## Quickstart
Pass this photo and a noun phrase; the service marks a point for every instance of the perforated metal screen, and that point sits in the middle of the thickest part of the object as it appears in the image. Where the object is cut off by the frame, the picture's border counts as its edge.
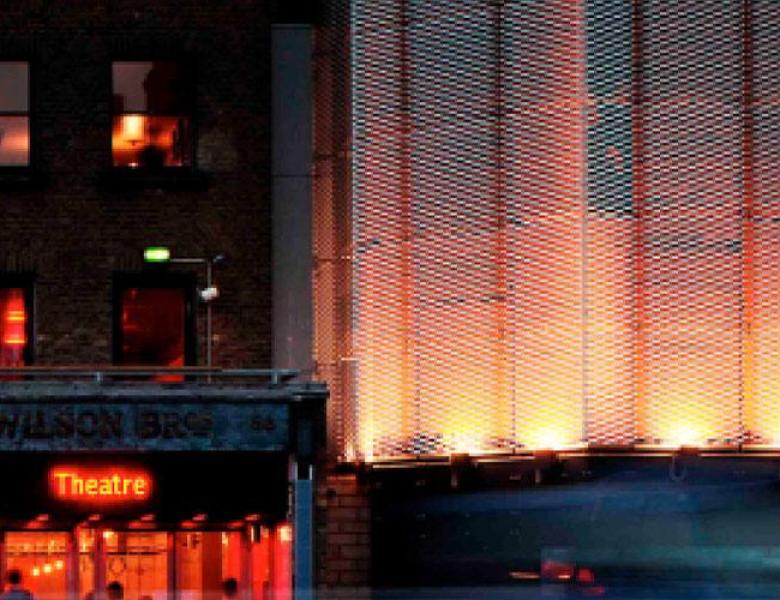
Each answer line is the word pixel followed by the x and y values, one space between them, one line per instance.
pixel 545 223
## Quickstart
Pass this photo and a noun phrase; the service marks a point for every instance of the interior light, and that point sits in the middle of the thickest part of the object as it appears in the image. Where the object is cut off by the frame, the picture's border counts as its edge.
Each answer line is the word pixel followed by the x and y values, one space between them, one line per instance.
pixel 47 568
pixel 59 565
pixel 133 128
pixel 157 254
pixel 285 533
pixel 36 571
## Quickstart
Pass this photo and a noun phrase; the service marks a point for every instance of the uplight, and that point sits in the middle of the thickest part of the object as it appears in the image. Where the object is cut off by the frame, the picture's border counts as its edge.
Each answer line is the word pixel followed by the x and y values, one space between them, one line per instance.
pixel 548 440
pixel 684 435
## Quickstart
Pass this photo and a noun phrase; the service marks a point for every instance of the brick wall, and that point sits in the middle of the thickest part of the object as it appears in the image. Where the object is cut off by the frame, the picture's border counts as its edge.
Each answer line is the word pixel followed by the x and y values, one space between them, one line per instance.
pixel 343 536
pixel 74 233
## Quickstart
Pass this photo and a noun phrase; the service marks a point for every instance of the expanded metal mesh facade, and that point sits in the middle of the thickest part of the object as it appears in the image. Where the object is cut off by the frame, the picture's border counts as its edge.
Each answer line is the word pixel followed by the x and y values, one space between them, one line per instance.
pixel 546 223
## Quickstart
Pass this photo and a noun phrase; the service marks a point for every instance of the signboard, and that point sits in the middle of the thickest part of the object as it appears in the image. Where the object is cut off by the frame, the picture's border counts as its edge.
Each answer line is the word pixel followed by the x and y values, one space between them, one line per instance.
pixel 172 486
pixel 158 426
pixel 99 486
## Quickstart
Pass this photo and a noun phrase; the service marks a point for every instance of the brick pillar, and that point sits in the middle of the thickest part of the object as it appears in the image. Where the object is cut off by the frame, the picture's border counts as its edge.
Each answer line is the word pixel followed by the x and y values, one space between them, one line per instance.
pixel 343 537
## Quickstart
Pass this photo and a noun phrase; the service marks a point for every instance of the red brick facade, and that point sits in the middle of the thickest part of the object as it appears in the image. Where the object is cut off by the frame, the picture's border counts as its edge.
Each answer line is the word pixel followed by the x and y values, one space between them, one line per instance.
pixel 343 534
pixel 73 232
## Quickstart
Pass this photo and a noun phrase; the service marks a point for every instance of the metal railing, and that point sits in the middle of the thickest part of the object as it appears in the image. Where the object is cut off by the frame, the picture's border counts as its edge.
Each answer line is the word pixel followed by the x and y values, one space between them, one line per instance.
pixel 146 374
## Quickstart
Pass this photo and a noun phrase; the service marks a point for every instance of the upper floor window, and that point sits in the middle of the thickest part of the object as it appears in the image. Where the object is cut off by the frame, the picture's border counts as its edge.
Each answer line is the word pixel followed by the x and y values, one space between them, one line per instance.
pixel 14 114
pixel 15 326
pixel 152 107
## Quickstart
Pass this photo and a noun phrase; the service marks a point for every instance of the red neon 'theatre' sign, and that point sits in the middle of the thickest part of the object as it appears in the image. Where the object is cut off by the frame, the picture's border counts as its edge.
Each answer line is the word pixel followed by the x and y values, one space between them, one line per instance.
pixel 99 484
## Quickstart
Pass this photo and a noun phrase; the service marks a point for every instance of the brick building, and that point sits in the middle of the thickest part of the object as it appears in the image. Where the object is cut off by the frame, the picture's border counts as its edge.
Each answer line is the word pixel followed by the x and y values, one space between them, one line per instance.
pixel 126 126
pixel 74 217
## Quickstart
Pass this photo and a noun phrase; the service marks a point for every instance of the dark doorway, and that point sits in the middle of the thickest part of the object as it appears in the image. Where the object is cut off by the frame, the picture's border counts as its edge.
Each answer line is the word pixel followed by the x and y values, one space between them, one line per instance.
pixel 154 321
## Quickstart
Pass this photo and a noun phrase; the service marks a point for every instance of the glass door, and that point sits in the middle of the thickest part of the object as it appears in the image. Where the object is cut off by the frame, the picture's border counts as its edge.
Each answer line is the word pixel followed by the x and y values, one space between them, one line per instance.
pixel 138 562
pixel 209 564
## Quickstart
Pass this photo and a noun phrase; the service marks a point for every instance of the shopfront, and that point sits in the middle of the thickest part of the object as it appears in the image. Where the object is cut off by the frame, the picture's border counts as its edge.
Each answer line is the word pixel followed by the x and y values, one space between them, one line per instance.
pixel 172 491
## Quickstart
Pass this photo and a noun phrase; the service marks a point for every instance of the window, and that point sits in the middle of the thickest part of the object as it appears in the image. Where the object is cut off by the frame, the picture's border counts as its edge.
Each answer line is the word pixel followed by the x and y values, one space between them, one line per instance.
pixel 15 327
pixel 152 106
pixel 153 322
pixel 14 114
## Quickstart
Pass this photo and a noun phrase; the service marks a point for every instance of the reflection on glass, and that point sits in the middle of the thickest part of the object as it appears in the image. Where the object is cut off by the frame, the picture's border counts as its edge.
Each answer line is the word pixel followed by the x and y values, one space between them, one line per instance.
pixel 14 114
pixel 40 559
pixel 14 87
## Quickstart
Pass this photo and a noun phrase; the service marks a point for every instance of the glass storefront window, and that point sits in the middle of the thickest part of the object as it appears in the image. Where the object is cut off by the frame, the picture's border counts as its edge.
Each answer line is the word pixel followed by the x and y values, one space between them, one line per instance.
pixel 40 558
pixel 151 565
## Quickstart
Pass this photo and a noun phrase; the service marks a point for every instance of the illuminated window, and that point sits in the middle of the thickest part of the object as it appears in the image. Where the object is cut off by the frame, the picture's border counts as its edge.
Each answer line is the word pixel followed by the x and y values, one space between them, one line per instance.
pixel 153 323
pixel 14 327
pixel 14 114
pixel 152 114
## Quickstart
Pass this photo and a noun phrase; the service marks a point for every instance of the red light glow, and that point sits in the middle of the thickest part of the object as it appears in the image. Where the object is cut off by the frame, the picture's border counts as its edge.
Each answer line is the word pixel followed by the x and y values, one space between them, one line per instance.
pixel 99 485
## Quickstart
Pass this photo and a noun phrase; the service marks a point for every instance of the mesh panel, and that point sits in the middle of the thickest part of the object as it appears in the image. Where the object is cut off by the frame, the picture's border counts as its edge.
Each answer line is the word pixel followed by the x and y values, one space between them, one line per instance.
pixel 560 226
pixel 763 307
pixel 691 207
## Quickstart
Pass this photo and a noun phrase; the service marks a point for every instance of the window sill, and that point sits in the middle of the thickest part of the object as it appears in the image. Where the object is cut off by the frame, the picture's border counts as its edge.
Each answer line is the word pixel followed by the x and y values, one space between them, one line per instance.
pixel 167 178
pixel 20 178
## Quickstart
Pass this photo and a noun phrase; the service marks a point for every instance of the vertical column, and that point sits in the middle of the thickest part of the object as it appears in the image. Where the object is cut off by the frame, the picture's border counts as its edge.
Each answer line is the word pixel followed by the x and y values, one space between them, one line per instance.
pixel 72 564
pixel 292 186
pixel 409 401
pixel 246 576
pixel 639 215
pixel 3 558
pixel 172 564
pixel 302 487
pixel 100 561
pixel 211 565
pixel 748 405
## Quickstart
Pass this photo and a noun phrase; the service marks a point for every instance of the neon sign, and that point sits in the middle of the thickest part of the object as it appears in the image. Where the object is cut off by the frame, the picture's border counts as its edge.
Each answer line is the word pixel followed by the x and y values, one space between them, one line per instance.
pixel 110 484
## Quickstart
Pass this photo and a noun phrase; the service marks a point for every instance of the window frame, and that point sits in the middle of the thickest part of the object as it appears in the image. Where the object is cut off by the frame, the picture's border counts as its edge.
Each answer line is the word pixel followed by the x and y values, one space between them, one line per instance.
pixel 7 172
pixel 185 62
pixel 26 282
pixel 186 282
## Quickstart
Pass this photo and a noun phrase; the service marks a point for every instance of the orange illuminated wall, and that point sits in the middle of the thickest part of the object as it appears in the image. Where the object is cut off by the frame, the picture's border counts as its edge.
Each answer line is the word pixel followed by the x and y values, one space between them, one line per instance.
pixel 548 224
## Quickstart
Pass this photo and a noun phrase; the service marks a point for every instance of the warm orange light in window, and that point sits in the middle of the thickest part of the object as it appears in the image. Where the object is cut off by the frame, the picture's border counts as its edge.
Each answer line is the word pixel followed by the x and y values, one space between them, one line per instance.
pixel 14 320
pixel 36 571
pixel 99 485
